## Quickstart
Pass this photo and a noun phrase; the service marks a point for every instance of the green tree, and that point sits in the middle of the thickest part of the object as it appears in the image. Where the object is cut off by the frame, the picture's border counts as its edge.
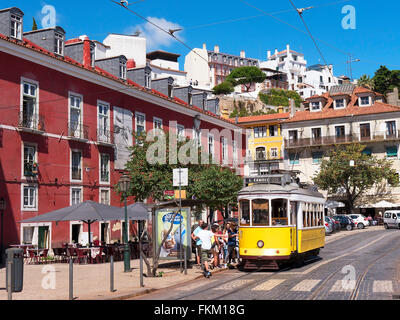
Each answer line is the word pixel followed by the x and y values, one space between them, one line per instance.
pixel 280 97
pixel 246 76
pixel 34 25
pixel 385 80
pixel 366 82
pixel 223 88
pixel 338 176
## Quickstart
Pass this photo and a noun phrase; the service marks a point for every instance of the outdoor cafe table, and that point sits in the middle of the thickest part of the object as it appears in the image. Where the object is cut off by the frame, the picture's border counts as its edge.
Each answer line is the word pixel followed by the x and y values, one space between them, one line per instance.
pixel 92 252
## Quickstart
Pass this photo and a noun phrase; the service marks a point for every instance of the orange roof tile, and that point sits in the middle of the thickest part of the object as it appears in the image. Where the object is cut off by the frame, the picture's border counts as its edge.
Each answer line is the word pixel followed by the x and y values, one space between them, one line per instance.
pixel 265 117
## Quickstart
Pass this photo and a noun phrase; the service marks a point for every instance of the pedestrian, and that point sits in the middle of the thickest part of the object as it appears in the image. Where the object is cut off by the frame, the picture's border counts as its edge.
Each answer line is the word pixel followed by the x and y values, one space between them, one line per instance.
pixel 225 239
pixel 370 220
pixel 197 241
pixel 215 246
pixel 231 243
pixel 206 238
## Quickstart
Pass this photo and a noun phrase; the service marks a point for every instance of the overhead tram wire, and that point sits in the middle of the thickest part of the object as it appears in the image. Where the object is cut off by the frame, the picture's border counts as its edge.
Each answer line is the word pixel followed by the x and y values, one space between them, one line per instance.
pixel 158 27
pixel 315 43
pixel 294 27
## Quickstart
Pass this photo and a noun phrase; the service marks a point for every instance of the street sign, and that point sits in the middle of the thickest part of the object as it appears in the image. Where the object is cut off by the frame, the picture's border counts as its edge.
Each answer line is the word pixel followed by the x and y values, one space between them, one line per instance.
pixel 169 194
pixel 183 194
pixel 180 177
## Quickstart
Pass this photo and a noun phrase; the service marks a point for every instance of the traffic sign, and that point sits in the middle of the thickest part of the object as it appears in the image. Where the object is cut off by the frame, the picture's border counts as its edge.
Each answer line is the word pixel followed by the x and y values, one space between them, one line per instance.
pixel 180 177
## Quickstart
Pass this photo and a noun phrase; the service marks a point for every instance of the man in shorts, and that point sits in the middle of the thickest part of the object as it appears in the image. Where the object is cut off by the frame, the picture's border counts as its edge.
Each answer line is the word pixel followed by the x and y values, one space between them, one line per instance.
pixel 198 242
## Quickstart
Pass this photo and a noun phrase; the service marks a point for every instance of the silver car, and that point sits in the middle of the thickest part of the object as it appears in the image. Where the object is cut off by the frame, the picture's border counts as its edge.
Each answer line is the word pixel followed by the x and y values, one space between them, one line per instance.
pixel 391 219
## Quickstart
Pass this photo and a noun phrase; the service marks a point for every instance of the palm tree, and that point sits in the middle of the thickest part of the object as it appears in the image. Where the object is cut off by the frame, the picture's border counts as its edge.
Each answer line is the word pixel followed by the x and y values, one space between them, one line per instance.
pixel 366 82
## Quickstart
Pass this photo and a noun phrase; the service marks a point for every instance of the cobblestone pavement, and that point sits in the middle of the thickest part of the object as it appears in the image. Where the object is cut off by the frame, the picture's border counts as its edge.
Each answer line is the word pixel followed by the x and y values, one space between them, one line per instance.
pixel 354 265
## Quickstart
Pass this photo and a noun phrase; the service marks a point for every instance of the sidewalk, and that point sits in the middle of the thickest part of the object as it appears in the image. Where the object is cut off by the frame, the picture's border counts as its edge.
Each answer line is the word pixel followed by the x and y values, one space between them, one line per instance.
pixel 92 281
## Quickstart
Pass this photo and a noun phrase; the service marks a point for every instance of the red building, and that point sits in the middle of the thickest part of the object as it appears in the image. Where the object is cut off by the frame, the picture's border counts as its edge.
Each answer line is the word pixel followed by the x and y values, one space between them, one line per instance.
pixel 61 126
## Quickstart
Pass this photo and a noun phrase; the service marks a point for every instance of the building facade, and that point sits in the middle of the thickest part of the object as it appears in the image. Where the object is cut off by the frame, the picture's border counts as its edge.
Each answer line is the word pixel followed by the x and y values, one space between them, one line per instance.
pixel 66 125
pixel 344 115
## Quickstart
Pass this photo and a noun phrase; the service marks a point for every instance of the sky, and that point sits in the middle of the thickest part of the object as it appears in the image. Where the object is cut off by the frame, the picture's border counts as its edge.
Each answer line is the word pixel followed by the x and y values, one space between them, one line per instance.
pixel 343 30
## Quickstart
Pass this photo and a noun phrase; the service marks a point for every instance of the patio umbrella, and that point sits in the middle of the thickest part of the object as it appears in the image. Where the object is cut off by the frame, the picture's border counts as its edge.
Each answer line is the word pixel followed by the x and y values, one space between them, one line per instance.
pixel 88 212
pixel 385 204
pixel 137 211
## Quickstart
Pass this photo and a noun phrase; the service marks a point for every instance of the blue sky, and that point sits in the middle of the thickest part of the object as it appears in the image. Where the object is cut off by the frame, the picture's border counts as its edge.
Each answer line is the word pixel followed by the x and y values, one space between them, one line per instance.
pixel 375 39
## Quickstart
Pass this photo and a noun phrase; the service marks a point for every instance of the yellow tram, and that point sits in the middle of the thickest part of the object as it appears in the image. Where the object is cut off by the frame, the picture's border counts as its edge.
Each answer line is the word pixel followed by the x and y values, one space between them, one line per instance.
pixel 279 221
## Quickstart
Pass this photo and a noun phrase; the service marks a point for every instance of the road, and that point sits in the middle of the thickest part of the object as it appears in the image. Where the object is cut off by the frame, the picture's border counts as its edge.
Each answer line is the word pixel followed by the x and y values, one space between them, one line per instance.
pixel 360 266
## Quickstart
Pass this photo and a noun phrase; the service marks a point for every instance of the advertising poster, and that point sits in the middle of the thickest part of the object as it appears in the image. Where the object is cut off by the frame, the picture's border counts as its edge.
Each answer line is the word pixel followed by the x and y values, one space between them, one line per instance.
pixel 171 247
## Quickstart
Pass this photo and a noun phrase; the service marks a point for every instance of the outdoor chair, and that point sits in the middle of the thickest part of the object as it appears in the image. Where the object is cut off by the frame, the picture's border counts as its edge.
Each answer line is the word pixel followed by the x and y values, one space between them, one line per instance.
pixel 72 254
pixel 33 257
pixel 43 256
pixel 81 255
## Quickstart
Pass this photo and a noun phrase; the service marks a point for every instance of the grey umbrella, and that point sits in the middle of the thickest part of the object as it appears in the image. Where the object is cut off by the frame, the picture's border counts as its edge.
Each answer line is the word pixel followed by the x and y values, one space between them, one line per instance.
pixel 88 212
pixel 137 211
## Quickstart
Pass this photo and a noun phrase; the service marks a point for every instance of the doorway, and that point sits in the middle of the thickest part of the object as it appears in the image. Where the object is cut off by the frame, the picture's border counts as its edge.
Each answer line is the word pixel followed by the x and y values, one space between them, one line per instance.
pixel 43 237
pixel 76 230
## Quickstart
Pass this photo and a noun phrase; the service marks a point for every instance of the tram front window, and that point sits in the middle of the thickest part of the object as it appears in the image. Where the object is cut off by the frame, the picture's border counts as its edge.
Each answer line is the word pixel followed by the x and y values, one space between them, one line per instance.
pixel 260 212
pixel 279 212
pixel 244 206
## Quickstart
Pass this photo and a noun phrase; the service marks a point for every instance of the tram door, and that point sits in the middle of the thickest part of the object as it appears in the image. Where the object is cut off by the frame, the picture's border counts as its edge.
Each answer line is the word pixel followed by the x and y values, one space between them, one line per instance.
pixel 293 222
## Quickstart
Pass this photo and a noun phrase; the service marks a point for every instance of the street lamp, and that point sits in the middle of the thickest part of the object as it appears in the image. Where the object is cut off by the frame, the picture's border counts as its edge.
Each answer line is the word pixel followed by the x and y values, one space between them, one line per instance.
pixel 2 209
pixel 197 122
pixel 350 62
pixel 125 185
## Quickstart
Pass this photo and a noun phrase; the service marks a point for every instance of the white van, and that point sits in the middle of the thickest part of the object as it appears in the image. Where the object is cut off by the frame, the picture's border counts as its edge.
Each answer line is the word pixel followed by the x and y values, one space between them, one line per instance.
pixel 391 219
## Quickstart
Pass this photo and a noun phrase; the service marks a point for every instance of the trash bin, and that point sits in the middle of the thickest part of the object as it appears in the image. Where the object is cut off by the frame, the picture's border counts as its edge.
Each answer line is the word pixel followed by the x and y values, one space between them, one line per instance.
pixel 16 256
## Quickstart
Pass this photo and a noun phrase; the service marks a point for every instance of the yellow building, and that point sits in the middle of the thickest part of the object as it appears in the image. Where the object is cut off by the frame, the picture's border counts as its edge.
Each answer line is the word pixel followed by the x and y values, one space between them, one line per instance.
pixel 264 150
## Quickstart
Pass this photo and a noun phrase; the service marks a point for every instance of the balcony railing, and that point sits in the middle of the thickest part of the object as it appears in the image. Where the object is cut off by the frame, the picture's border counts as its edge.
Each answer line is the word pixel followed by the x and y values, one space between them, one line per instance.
pixel 343 139
pixel 31 122
pixel 30 170
pixel 105 137
pixel 78 131
pixel 76 173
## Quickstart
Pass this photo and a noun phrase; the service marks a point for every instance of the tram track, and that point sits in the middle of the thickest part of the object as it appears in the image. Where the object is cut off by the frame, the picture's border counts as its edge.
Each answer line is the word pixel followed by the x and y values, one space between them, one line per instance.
pixel 355 291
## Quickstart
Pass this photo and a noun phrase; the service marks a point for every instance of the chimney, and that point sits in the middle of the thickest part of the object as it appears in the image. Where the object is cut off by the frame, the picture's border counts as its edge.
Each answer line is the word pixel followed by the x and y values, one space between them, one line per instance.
pixel 276 52
pixel 216 49
pixel 287 49
pixel 87 58
pixel 292 108
pixel 268 53
pixel 204 46
pixel 242 54
pixel 130 64
pixel 280 109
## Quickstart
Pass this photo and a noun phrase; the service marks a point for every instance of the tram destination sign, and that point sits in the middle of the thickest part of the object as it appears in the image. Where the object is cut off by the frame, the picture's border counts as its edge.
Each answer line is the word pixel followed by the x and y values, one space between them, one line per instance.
pixel 273 179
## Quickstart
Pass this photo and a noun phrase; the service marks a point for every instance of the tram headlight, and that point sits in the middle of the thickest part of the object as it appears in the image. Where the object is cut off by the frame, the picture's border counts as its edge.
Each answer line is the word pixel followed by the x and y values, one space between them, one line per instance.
pixel 260 243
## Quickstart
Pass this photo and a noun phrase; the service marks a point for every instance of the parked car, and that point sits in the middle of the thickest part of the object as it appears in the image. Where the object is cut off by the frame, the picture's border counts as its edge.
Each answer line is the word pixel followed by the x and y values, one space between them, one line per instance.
pixel 331 223
pixel 359 220
pixel 328 228
pixel 336 224
pixel 345 222
pixel 391 219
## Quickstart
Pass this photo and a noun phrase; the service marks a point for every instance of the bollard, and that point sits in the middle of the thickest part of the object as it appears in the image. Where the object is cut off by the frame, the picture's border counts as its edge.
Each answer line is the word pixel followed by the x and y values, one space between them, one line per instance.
pixel 185 257
pixel 112 273
pixel 71 279
pixel 9 279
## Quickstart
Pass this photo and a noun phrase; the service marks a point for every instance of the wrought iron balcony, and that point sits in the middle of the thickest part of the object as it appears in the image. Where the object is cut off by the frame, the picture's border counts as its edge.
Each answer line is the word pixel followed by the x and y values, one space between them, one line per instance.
pixel 78 131
pixel 32 123
pixel 105 137
pixel 343 139
pixel 30 169
pixel 265 156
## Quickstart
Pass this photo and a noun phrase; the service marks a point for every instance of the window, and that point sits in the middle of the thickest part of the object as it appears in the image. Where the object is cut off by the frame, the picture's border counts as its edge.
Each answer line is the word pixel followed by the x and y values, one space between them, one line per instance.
pixel 391 152
pixel 317 157
pixel 29 197
pixel 140 122
pixel 260 153
pixel 339 103
pixel 29 160
pixel 122 69
pixel 147 80
pixel 339 131
pixel 16 27
pixel 244 209
pixel 234 152
pixel 92 55
pixel 274 152
pixel 180 132
pixel 27 235
pixel 365 131
pixel 211 145
pixel 105 196
pixel 76 195
pixel 316 134
pixel 75 115
pixel 315 106
pixel 197 137
pixel 294 158
pixel 157 123
pixel 224 150
pixel 391 129
pixel 76 165
pixel 263 169
pixel 103 122
pixel 364 101
pixel 273 131
pixel 59 42
pixel 260 132
pixel 260 209
pixel 29 105
pixel 293 135
pixel 104 167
